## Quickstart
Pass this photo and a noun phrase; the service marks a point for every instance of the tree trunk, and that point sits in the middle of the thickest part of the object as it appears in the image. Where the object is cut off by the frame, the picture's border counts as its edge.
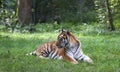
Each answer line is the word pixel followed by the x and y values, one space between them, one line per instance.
pixel 112 27
pixel 24 11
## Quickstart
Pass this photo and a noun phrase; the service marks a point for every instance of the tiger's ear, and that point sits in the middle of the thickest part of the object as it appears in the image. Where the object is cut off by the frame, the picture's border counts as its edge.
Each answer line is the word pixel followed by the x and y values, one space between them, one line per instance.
pixel 68 32
pixel 63 30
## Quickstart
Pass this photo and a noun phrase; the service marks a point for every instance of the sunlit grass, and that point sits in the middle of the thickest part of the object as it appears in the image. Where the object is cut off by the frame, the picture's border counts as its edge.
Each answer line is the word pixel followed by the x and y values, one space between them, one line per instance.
pixel 103 49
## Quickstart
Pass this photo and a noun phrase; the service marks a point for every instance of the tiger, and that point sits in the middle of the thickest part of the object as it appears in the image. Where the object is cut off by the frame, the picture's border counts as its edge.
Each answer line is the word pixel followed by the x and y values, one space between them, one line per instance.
pixel 67 47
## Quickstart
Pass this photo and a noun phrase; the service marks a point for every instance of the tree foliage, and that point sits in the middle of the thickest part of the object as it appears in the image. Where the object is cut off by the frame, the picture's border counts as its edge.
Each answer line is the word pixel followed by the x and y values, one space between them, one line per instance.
pixel 72 10
pixel 103 11
pixel 8 18
pixel 83 11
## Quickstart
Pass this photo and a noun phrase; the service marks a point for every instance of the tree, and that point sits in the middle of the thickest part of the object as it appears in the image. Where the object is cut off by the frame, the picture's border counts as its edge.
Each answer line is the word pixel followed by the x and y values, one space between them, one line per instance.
pixel 112 27
pixel 105 10
pixel 24 11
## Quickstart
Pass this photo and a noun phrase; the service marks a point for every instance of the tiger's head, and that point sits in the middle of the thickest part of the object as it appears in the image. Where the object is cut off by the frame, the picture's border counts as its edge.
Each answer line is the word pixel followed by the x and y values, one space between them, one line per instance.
pixel 63 39
pixel 66 39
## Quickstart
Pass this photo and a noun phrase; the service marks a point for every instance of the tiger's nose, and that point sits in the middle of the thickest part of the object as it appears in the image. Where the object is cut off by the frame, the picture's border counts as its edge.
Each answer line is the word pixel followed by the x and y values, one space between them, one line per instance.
pixel 62 39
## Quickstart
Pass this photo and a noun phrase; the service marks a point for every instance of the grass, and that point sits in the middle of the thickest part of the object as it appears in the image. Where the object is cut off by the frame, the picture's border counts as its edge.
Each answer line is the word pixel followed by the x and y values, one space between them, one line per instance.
pixel 103 48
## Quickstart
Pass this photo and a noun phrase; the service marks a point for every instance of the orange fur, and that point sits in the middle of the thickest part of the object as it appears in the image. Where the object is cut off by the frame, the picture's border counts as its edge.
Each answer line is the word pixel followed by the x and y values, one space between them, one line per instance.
pixel 52 45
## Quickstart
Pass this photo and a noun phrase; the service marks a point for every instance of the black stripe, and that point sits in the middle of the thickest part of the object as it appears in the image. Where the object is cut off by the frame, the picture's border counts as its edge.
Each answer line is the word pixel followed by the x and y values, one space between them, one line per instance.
pixel 66 45
pixel 83 58
pixel 54 55
pixel 77 48
pixel 49 48
pixel 34 54
pixel 48 52
pixel 51 54
pixel 45 51
pixel 79 57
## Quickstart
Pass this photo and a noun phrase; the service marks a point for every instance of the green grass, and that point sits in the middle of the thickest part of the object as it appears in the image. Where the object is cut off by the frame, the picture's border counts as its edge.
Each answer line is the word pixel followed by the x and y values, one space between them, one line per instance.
pixel 104 49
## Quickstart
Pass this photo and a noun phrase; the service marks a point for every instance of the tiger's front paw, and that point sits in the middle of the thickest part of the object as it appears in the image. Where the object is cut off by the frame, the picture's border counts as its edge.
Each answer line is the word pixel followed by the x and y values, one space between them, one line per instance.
pixel 74 62
pixel 90 61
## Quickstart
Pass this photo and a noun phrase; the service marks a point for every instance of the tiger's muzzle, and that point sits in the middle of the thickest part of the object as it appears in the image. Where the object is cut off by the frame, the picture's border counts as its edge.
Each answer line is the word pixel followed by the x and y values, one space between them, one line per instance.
pixel 63 42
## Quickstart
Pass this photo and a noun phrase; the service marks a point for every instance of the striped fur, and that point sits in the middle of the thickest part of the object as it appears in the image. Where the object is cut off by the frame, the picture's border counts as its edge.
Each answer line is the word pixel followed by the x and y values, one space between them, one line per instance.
pixel 67 47
pixel 48 50
pixel 72 47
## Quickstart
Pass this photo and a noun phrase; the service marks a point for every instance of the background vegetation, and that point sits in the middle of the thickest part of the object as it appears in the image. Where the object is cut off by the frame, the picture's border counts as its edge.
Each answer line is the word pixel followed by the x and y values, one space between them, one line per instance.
pixel 26 24
pixel 17 14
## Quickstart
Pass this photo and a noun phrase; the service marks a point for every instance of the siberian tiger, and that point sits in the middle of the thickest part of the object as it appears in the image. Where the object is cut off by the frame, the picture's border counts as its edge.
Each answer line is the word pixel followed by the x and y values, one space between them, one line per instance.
pixel 67 47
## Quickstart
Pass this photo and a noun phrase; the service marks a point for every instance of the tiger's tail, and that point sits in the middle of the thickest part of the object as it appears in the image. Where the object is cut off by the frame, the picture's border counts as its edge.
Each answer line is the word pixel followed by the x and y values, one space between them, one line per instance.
pixel 32 53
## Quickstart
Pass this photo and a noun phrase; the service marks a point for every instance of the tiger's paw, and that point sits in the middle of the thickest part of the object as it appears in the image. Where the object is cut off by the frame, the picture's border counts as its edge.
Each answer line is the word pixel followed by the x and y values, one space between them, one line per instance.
pixel 74 62
pixel 90 61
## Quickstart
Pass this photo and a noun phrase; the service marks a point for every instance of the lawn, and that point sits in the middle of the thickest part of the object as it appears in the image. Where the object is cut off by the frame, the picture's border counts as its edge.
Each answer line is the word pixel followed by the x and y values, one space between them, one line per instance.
pixel 104 49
